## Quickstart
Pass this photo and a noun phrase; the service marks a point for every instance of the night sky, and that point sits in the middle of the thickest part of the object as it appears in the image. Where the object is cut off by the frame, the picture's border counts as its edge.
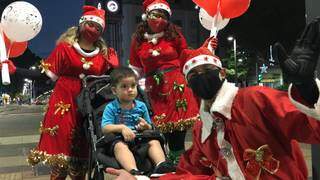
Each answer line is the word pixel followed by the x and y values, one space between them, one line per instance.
pixel 266 22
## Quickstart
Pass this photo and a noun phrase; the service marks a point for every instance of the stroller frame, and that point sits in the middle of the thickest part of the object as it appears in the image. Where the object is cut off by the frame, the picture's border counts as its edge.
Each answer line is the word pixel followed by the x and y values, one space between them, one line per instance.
pixel 96 141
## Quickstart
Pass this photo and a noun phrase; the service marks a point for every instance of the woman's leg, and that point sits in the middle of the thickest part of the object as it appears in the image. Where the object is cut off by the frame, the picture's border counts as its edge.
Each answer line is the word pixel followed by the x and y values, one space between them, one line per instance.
pixel 124 156
pixel 176 145
pixel 155 152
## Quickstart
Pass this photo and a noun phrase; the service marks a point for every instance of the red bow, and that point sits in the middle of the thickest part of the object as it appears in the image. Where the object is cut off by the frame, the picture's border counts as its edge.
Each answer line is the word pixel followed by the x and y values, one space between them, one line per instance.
pixel 260 159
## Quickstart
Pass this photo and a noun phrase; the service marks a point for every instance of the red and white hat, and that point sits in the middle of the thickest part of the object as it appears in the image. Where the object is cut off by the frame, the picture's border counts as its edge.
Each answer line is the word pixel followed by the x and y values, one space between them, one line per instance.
pixel 196 57
pixel 91 13
pixel 149 5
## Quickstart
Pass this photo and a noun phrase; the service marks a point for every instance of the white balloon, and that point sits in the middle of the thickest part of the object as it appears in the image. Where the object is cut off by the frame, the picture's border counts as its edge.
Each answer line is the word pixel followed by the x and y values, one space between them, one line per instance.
pixel 206 20
pixel 21 21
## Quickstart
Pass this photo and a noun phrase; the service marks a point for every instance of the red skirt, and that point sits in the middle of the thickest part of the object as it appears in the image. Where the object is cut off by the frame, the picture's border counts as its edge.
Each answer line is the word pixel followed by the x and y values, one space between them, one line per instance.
pixel 173 104
pixel 62 142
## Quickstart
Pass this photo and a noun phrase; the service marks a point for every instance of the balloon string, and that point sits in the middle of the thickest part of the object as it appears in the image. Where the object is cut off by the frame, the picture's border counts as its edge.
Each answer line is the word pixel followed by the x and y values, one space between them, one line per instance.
pixel 214 28
pixel 9 49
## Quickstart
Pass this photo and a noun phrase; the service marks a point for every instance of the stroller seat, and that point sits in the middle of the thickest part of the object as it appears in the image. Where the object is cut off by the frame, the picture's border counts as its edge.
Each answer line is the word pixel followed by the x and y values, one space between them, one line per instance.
pixel 140 150
pixel 96 93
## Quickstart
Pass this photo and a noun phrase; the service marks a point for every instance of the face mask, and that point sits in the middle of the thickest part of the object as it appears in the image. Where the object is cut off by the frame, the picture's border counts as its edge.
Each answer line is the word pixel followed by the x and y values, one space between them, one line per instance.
pixel 206 85
pixel 89 33
pixel 157 25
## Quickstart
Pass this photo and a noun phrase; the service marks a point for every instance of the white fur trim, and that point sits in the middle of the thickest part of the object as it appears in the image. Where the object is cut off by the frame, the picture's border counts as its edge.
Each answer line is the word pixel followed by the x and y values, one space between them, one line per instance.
pixel 200 60
pixel 224 99
pixel 85 54
pixel 51 75
pixel 144 17
pixel 92 18
pixel 207 122
pixel 313 112
pixel 222 105
pixel 159 6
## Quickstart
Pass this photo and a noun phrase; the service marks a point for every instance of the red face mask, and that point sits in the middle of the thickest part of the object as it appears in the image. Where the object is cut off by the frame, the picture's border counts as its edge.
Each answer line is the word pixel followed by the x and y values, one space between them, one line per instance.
pixel 157 25
pixel 90 33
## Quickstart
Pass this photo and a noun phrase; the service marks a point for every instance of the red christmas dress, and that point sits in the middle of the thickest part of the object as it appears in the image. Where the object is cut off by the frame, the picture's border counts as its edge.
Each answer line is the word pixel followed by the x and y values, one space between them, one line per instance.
pixel 250 134
pixel 62 142
pixel 173 103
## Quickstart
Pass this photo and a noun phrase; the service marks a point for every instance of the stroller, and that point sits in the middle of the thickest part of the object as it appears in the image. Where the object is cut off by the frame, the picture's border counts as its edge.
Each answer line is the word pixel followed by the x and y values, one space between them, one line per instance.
pixel 96 93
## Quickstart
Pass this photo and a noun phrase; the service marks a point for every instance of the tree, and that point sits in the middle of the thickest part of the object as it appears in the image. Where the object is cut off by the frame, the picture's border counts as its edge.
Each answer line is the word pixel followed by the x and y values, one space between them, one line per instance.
pixel 245 63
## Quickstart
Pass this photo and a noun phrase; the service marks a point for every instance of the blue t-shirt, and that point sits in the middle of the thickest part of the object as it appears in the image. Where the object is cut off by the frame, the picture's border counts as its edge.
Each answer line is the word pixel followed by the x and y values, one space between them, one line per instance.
pixel 113 114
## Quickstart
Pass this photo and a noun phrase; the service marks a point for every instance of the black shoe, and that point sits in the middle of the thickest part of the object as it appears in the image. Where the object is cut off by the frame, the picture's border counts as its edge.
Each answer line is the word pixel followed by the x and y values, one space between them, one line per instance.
pixel 163 168
pixel 136 172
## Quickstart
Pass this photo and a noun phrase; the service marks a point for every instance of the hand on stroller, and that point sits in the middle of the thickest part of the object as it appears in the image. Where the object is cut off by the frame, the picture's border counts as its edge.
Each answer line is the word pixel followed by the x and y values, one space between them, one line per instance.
pixel 127 134
pixel 121 174
pixel 142 125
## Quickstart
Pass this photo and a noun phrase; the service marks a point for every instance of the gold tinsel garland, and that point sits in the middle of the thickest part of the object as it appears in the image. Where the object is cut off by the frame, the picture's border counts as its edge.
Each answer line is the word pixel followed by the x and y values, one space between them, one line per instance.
pixel 73 165
pixel 44 66
pixel 181 125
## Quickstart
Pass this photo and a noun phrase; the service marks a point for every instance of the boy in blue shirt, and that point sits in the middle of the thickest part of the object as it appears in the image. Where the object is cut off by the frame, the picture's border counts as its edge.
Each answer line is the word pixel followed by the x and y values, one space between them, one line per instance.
pixel 126 115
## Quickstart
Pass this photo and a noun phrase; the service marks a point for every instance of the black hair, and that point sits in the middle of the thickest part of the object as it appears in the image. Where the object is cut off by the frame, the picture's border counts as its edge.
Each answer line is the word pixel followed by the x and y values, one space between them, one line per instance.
pixel 119 73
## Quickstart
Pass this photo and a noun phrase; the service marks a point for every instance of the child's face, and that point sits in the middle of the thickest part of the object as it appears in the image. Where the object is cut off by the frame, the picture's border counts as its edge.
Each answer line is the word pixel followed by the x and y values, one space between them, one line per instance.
pixel 126 89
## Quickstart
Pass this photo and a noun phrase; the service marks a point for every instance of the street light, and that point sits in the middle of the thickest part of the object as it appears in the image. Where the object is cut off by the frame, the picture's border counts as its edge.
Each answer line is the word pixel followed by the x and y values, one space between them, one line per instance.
pixel 230 38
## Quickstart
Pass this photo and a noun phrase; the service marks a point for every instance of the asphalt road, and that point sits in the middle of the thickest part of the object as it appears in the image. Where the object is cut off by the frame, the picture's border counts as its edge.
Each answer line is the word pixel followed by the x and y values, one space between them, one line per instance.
pixel 18 134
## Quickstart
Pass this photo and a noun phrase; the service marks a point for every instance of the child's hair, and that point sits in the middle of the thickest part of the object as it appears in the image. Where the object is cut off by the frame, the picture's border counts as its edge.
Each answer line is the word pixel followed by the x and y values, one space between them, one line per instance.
pixel 119 73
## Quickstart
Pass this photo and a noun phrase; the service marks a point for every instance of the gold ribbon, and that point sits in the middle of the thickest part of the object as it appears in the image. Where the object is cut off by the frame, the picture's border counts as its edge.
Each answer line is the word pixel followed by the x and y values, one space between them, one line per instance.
pixel 84 61
pixel 179 87
pixel 62 107
pixel 44 66
pixel 158 78
pixel 181 103
pixel 52 131
pixel 260 160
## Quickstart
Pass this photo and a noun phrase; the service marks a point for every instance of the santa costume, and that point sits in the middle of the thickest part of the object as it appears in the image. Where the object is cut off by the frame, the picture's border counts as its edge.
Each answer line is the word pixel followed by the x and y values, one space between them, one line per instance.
pixel 156 58
pixel 62 143
pixel 248 133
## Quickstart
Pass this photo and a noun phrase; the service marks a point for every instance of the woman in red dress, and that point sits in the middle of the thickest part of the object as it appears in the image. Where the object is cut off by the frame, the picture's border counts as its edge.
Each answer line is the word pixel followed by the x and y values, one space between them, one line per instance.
pixel 80 51
pixel 154 54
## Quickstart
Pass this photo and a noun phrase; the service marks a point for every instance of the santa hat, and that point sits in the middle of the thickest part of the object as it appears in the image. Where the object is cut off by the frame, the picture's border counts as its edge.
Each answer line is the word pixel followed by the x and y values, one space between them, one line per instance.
pixel 149 5
pixel 91 13
pixel 193 58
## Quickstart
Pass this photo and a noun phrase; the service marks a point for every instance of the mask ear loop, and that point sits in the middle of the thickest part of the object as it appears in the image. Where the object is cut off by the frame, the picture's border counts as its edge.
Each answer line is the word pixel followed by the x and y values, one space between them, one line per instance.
pixel 220 76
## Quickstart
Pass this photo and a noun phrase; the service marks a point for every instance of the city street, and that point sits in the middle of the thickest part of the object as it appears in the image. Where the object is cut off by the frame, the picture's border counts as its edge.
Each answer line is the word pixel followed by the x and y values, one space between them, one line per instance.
pixel 18 134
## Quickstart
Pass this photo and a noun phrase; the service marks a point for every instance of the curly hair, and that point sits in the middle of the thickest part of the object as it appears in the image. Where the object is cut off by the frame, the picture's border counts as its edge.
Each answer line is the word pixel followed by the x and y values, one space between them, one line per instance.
pixel 171 32
pixel 72 35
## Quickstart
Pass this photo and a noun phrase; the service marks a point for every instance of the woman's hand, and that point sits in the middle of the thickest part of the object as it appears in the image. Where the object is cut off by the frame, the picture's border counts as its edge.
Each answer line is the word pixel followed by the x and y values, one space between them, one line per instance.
pixel 143 125
pixel 121 174
pixel 127 133
pixel 212 41
pixel 11 66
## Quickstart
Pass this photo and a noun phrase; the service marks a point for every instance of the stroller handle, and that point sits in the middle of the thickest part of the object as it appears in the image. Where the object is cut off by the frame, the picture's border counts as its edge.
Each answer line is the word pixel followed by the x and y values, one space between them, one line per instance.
pixel 90 77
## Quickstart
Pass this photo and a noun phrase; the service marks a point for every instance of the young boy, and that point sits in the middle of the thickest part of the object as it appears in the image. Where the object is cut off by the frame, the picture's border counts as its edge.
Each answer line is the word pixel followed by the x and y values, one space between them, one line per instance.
pixel 126 115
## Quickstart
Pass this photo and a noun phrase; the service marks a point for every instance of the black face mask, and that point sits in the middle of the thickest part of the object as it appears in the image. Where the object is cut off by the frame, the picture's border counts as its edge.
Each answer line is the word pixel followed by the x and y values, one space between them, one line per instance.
pixel 207 84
